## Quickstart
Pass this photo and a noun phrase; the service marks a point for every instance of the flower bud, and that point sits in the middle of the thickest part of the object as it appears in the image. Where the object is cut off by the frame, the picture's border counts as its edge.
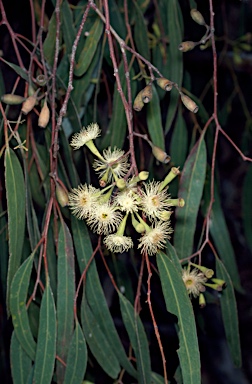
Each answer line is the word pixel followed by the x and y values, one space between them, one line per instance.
pixel 197 17
pixel 220 282
pixel 189 103
pixel 138 102
pixel 41 80
pixel 165 84
pixel 147 94
pixel 143 175
pixel 202 300
pixel 29 103
pixel 61 195
pixel 179 202
pixel 214 286
pixel 160 155
pixel 10 99
pixel 207 272
pixel 138 226
pixel 171 175
pixel 165 215
pixel 120 183
pixel 186 46
pixel 44 116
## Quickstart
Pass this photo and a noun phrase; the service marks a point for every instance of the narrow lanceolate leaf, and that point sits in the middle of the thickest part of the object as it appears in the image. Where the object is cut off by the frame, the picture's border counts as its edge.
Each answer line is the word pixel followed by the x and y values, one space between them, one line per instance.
pixel 18 296
pixel 141 33
pixel 178 303
pixel 77 358
pixel 247 207
pixel 190 189
pixel 154 120
pixel 95 294
pixel 175 29
pixel 15 191
pixel 229 313
pixel 222 241
pixel 46 346
pixel 20 71
pixel 65 296
pixel 138 340
pixel 98 343
pixel 179 141
pixel 89 48
pixel 20 362
pixel 68 29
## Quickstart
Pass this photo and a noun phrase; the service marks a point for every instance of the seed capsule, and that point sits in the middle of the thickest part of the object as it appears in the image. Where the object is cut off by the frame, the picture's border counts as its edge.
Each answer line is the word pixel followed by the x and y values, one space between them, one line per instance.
pixel 189 103
pixel 160 155
pixel 41 80
pixel 29 103
pixel 61 195
pixel 197 17
pixel 147 94
pixel 138 102
pixel 10 99
pixel 44 116
pixel 165 84
pixel 186 46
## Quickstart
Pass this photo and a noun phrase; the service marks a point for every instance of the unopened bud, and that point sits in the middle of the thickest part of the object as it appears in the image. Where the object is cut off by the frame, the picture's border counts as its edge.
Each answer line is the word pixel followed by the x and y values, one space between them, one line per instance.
pixel 207 272
pixel 214 286
pixel 165 84
pixel 220 282
pixel 44 116
pixel 147 94
pixel 171 175
pixel 10 99
pixel 197 17
pixel 189 103
pixel 138 102
pixel 165 215
pixel 41 80
pixel 120 183
pixel 143 175
pixel 160 155
pixel 202 300
pixel 61 195
pixel 29 103
pixel 179 202
pixel 138 226
pixel 186 46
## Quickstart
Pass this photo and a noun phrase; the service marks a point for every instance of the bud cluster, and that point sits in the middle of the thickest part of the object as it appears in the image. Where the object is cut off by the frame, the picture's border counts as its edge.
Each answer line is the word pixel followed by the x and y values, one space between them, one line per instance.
pixel 121 200
pixel 196 281
pixel 145 95
pixel 186 46
pixel 29 103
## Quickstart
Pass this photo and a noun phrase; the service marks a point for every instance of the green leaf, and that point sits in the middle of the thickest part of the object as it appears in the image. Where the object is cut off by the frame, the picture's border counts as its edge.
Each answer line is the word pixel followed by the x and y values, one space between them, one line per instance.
pixel 175 27
pixel 95 339
pixel 49 43
pixel 156 378
pixel 20 71
pixel 77 358
pixel 95 294
pixel 20 362
pixel 222 241
pixel 178 303
pixel 18 296
pixel 247 207
pixel 46 346
pixel 68 29
pixel 191 187
pixel 179 141
pixel 229 314
pixel 141 33
pixel 15 190
pixel 138 339
pixel 154 120
pixel 91 42
pixel 116 132
pixel 4 250
pixel 65 296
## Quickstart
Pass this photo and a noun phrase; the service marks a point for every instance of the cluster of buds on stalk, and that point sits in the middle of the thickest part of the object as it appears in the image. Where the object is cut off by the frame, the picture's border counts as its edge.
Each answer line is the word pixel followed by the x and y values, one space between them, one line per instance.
pixel 29 103
pixel 186 46
pixel 123 204
pixel 145 95
pixel 197 279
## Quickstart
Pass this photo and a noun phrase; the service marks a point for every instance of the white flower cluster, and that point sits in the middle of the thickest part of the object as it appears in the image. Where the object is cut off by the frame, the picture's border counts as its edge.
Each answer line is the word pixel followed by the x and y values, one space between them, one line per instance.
pixel 107 210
